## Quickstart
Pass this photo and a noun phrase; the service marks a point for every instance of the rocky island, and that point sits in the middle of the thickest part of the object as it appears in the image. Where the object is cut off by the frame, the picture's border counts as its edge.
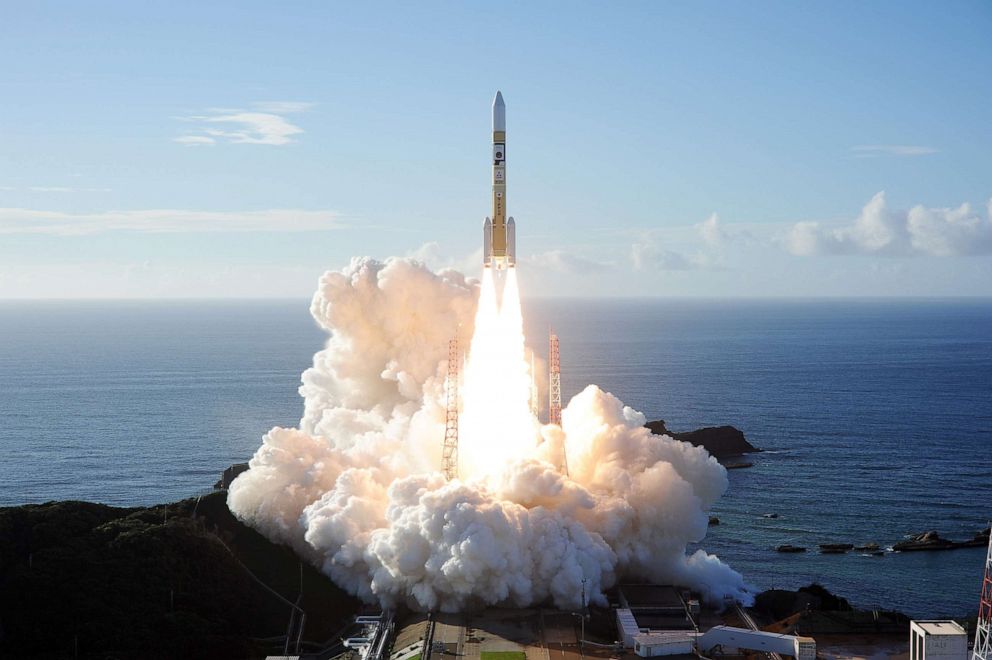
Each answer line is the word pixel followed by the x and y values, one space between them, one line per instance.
pixel 720 441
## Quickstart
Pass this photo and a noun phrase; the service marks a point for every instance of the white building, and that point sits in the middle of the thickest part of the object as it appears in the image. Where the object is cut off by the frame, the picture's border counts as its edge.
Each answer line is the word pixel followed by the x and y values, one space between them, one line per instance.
pixel 937 640
pixel 669 643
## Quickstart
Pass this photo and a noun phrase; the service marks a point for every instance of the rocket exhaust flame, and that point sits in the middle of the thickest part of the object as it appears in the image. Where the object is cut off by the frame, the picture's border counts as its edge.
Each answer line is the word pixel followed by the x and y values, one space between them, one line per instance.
pixel 356 489
pixel 496 422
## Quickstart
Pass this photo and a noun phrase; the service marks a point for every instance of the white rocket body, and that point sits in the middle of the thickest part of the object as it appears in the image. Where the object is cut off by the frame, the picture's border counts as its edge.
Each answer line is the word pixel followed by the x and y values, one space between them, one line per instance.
pixel 499 247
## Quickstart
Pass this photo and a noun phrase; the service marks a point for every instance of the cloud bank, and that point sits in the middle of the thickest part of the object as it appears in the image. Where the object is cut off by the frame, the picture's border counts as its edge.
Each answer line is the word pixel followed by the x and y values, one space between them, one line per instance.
pixel 878 230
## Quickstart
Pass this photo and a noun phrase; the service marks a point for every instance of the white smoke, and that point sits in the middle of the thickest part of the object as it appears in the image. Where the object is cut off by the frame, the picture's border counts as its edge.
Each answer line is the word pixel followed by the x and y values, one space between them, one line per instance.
pixel 357 488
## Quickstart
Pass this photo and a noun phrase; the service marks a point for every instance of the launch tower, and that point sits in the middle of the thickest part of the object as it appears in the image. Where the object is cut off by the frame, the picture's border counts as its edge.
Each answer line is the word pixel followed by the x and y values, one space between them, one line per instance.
pixel 554 382
pixel 449 453
pixel 983 631
pixel 554 396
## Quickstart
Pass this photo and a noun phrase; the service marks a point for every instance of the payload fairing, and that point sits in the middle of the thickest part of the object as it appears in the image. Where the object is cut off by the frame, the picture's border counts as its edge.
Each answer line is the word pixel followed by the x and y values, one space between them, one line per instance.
pixel 499 240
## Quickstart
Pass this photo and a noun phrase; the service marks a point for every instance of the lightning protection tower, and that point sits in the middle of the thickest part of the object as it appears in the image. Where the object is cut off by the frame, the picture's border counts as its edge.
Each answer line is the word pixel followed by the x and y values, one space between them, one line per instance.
pixel 554 388
pixel 554 395
pixel 983 631
pixel 449 453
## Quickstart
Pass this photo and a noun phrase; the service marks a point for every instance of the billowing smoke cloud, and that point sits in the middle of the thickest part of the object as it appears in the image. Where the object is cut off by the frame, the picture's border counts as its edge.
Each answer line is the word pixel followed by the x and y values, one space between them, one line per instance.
pixel 357 488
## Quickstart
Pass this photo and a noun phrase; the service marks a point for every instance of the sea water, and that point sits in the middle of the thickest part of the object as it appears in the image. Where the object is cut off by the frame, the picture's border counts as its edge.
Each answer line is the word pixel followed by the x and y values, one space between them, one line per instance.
pixel 874 415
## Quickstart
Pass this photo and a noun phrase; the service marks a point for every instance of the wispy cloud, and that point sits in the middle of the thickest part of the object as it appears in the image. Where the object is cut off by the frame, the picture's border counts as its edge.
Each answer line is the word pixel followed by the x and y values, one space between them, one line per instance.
pixel 900 150
pixel 194 140
pixel 33 221
pixel 55 189
pixel 942 232
pixel 263 124
pixel 65 189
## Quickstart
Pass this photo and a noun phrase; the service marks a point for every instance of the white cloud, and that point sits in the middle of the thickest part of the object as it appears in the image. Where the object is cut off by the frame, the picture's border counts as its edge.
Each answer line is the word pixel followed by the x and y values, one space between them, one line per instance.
pixel 194 140
pixel 252 128
pixel 32 221
pixel 903 150
pixel 668 249
pixel 262 125
pixel 716 235
pixel 878 230
pixel 712 231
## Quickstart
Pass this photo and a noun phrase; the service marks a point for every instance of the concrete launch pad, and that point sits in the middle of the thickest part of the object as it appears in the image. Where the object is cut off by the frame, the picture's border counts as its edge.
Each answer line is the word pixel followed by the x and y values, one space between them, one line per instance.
pixel 496 634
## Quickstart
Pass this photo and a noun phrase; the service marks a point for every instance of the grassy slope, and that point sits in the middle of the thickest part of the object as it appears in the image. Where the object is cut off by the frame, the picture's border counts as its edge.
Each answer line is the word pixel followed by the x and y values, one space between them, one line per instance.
pixel 149 582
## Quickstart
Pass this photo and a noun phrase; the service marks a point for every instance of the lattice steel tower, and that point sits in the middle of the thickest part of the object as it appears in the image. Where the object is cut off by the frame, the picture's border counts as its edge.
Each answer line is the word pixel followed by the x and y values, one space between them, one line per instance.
pixel 449 453
pixel 554 396
pixel 983 631
pixel 554 387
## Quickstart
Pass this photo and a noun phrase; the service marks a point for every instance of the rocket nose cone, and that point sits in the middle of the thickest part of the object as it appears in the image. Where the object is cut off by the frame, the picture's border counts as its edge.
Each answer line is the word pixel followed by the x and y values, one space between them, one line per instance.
pixel 499 113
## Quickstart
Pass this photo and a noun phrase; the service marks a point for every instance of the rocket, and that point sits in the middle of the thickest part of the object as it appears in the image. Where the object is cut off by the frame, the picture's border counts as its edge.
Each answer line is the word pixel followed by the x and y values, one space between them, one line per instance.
pixel 499 240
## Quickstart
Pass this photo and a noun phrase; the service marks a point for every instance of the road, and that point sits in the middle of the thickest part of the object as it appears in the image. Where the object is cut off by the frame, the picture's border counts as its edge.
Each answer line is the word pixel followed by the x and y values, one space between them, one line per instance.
pixel 558 636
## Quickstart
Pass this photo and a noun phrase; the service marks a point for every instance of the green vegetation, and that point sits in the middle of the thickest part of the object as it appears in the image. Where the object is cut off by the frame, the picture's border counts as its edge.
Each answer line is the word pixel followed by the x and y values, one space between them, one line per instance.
pixel 86 580
pixel 503 655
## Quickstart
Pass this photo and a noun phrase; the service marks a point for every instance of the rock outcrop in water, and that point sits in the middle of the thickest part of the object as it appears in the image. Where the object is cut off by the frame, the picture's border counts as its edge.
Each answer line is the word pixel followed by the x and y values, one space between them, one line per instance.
pixel 933 541
pixel 720 441
pixel 79 579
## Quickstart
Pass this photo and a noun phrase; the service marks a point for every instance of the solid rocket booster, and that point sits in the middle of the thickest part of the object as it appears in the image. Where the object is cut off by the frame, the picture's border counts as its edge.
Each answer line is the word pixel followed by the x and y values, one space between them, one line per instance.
pixel 499 245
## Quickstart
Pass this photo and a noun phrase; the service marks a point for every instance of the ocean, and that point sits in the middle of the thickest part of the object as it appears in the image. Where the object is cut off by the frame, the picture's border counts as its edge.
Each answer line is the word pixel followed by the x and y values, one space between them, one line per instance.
pixel 874 415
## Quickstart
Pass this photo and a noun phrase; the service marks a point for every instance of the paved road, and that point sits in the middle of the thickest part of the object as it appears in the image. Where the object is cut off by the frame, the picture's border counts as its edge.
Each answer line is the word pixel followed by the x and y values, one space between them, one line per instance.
pixel 558 636
pixel 450 631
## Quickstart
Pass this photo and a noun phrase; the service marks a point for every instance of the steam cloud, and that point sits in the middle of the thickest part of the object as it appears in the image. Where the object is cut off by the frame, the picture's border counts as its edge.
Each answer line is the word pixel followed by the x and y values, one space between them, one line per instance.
pixel 357 488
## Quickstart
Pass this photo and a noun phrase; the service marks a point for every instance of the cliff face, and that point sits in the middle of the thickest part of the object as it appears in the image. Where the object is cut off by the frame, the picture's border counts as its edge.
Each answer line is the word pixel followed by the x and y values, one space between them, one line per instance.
pixel 720 441
pixel 157 582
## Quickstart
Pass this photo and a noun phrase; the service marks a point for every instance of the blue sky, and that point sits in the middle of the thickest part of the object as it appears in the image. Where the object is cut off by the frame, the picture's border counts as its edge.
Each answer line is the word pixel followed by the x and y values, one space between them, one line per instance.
pixel 700 149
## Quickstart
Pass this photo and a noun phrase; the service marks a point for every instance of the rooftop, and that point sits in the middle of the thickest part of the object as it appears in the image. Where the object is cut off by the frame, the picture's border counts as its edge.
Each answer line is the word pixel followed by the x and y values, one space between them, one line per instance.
pixel 941 627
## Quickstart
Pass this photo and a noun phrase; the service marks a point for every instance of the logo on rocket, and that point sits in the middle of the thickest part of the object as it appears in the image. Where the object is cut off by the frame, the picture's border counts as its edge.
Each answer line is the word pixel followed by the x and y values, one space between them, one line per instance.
pixel 499 241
